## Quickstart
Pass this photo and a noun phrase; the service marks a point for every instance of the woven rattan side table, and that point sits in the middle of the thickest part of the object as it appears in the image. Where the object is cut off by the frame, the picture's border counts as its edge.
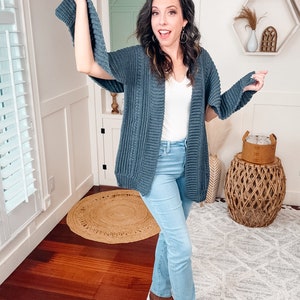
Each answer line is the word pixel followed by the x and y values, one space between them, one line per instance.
pixel 254 193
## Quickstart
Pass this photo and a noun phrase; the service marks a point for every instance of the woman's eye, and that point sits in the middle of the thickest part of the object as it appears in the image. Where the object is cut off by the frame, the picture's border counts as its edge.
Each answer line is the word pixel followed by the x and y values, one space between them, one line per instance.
pixel 172 12
pixel 154 13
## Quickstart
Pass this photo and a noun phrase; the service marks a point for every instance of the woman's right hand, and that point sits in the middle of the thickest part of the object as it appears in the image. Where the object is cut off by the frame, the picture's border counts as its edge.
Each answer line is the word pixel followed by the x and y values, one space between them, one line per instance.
pixel 259 78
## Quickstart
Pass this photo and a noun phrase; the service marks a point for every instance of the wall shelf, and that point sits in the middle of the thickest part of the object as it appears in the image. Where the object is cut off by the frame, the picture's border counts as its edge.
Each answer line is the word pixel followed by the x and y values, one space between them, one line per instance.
pixel 280 14
pixel 296 6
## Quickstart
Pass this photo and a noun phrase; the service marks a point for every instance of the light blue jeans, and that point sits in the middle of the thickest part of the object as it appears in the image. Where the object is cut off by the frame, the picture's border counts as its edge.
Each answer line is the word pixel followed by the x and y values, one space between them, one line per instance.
pixel 170 207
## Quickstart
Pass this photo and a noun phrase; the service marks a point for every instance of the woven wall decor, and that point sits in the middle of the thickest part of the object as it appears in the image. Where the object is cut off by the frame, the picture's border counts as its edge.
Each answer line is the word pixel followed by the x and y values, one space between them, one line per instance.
pixel 269 40
pixel 215 168
pixel 254 193
pixel 217 131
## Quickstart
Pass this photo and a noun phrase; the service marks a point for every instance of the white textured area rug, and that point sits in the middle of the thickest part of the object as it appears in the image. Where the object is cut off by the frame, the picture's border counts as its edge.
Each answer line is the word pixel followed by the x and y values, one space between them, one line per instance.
pixel 232 261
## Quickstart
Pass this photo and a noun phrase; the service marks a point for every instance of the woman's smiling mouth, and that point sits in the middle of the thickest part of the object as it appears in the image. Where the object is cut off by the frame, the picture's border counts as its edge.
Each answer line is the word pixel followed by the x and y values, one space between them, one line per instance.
pixel 164 33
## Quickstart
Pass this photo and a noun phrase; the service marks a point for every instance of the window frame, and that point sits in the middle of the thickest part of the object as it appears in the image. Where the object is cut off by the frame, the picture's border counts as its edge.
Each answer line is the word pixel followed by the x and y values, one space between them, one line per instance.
pixel 14 220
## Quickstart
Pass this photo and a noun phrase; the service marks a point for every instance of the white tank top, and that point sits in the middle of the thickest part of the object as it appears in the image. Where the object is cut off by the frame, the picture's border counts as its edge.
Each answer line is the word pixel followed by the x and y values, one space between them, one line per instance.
pixel 177 109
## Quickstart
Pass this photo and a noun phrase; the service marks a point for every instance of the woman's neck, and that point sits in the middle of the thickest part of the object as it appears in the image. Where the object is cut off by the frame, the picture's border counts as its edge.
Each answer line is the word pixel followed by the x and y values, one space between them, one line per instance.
pixel 179 69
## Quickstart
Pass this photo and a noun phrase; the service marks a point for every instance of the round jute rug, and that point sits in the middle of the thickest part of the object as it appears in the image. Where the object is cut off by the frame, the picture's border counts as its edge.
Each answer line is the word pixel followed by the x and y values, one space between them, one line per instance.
pixel 112 217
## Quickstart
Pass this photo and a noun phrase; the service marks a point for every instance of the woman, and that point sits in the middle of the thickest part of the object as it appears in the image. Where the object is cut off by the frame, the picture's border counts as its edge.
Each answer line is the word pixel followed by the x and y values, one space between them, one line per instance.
pixel 171 86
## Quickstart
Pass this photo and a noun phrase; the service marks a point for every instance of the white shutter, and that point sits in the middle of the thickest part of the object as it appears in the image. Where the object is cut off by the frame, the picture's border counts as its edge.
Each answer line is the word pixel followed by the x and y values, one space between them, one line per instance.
pixel 16 150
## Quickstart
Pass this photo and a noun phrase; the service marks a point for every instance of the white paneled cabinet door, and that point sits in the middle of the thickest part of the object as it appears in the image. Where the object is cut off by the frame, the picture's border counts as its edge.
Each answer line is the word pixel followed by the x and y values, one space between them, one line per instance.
pixel 121 22
pixel 110 136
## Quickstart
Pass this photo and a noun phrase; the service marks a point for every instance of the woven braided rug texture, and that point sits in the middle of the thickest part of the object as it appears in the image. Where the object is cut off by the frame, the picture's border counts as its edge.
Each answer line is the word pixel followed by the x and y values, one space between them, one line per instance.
pixel 112 217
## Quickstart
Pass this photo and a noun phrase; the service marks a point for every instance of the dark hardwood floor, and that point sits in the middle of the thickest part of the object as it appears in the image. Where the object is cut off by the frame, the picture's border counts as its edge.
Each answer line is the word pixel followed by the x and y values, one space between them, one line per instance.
pixel 67 267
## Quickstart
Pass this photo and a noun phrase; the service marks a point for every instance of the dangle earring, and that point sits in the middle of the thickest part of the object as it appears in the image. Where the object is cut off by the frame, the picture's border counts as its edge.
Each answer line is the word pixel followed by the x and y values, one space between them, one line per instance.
pixel 183 36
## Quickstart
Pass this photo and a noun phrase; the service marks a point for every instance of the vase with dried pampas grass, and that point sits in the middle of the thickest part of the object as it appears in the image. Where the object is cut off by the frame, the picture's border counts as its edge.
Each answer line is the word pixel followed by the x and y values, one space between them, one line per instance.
pixel 251 18
pixel 217 131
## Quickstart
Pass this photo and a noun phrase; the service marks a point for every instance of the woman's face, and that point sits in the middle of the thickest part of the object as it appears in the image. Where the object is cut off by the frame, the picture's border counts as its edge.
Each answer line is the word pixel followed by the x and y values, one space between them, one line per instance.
pixel 167 22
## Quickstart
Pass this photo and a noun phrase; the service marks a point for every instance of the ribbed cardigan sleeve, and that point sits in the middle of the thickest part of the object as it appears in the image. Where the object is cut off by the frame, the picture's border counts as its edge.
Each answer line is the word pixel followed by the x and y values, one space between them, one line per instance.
pixel 66 12
pixel 233 99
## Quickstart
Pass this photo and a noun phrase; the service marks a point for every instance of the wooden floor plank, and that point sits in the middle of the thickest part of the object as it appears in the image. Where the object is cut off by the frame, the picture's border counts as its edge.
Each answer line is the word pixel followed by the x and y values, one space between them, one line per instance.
pixel 66 266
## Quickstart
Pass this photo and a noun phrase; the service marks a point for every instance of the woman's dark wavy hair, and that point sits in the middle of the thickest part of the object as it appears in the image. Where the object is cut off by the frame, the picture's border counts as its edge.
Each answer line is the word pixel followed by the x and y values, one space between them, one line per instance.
pixel 161 63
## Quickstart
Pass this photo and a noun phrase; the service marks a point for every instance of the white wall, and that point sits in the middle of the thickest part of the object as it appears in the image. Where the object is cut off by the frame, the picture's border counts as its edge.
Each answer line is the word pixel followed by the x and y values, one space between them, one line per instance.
pixel 275 109
pixel 64 106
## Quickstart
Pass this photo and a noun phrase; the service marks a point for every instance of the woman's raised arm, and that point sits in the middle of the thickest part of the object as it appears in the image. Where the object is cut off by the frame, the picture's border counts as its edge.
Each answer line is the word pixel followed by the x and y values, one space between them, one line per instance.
pixel 84 56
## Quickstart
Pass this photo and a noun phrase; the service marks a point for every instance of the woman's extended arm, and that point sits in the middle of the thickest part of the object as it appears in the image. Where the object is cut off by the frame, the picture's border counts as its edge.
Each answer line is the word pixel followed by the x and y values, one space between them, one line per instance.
pixel 84 56
pixel 259 78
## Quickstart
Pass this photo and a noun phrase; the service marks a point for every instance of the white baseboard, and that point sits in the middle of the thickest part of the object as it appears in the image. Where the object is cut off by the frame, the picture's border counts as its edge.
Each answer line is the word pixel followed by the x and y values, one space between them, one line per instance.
pixel 292 198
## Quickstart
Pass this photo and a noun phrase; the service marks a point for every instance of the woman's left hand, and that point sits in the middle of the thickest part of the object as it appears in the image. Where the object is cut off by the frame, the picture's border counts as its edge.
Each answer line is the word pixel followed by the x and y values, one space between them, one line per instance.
pixel 259 78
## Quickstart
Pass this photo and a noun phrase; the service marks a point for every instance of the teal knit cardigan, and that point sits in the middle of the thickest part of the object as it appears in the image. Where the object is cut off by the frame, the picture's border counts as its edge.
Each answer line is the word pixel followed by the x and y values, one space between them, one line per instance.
pixel 144 109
